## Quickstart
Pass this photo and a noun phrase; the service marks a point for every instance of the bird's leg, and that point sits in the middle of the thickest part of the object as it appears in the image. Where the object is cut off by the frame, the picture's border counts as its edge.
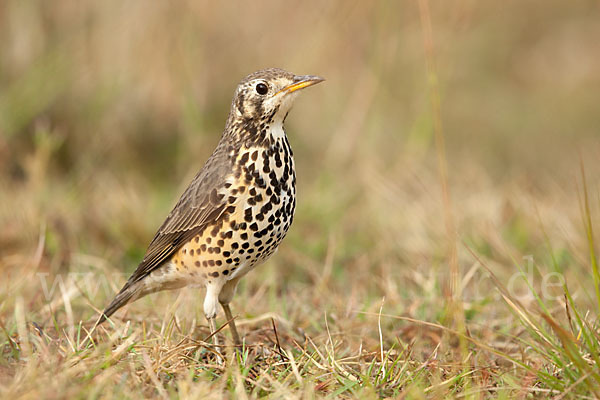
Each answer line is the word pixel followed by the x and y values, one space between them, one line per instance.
pixel 212 323
pixel 210 311
pixel 234 332
pixel 225 297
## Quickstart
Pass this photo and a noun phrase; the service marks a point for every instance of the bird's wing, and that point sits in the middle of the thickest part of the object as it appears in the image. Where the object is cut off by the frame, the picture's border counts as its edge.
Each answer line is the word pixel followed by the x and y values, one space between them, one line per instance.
pixel 198 206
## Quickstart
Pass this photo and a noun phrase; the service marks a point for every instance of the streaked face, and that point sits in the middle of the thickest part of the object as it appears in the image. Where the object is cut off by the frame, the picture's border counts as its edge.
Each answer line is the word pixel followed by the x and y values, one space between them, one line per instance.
pixel 269 94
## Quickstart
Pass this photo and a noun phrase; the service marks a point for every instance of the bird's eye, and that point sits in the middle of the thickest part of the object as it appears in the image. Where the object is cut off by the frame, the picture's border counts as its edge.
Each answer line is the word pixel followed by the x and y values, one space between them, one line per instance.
pixel 262 89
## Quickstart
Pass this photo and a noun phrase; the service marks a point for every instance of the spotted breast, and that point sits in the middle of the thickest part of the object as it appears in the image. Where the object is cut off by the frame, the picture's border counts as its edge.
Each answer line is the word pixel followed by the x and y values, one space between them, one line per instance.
pixel 236 210
pixel 261 198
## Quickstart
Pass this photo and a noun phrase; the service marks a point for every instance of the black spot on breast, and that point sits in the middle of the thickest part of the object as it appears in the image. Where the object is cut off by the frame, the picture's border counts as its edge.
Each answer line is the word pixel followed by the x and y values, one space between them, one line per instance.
pixel 266 208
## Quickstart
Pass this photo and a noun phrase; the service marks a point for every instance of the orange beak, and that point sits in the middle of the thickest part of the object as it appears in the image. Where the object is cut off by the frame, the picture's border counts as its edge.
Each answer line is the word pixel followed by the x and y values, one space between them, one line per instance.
pixel 301 82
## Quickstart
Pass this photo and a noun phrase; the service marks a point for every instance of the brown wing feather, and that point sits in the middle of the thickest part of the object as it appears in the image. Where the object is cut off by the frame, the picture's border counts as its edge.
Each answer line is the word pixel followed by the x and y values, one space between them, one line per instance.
pixel 198 206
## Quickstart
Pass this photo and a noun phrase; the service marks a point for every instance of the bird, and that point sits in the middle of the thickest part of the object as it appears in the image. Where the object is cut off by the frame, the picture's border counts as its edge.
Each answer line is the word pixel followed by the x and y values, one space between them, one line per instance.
pixel 237 209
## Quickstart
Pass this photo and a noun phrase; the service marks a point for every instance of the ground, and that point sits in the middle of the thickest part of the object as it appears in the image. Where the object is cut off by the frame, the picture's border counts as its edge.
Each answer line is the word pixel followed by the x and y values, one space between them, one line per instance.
pixel 445 241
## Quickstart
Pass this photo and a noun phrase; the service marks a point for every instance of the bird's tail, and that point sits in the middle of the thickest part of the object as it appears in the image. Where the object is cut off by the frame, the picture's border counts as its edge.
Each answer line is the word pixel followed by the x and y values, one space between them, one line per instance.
pixel 128 293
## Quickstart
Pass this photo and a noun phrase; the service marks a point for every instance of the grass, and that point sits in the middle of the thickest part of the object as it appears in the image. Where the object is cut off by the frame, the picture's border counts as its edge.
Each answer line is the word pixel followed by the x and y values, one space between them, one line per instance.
pixel 445 242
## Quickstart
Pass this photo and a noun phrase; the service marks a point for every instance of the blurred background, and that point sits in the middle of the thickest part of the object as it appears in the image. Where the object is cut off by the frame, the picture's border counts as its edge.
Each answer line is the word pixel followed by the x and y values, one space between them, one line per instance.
pixel 108 109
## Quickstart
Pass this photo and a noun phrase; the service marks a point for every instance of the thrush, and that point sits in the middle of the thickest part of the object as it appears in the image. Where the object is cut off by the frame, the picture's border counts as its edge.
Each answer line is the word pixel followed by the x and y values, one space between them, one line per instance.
pixel 237 209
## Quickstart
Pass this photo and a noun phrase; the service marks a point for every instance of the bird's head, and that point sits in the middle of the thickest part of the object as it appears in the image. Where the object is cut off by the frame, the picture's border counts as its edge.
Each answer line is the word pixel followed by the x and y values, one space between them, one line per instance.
pixel 267 95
